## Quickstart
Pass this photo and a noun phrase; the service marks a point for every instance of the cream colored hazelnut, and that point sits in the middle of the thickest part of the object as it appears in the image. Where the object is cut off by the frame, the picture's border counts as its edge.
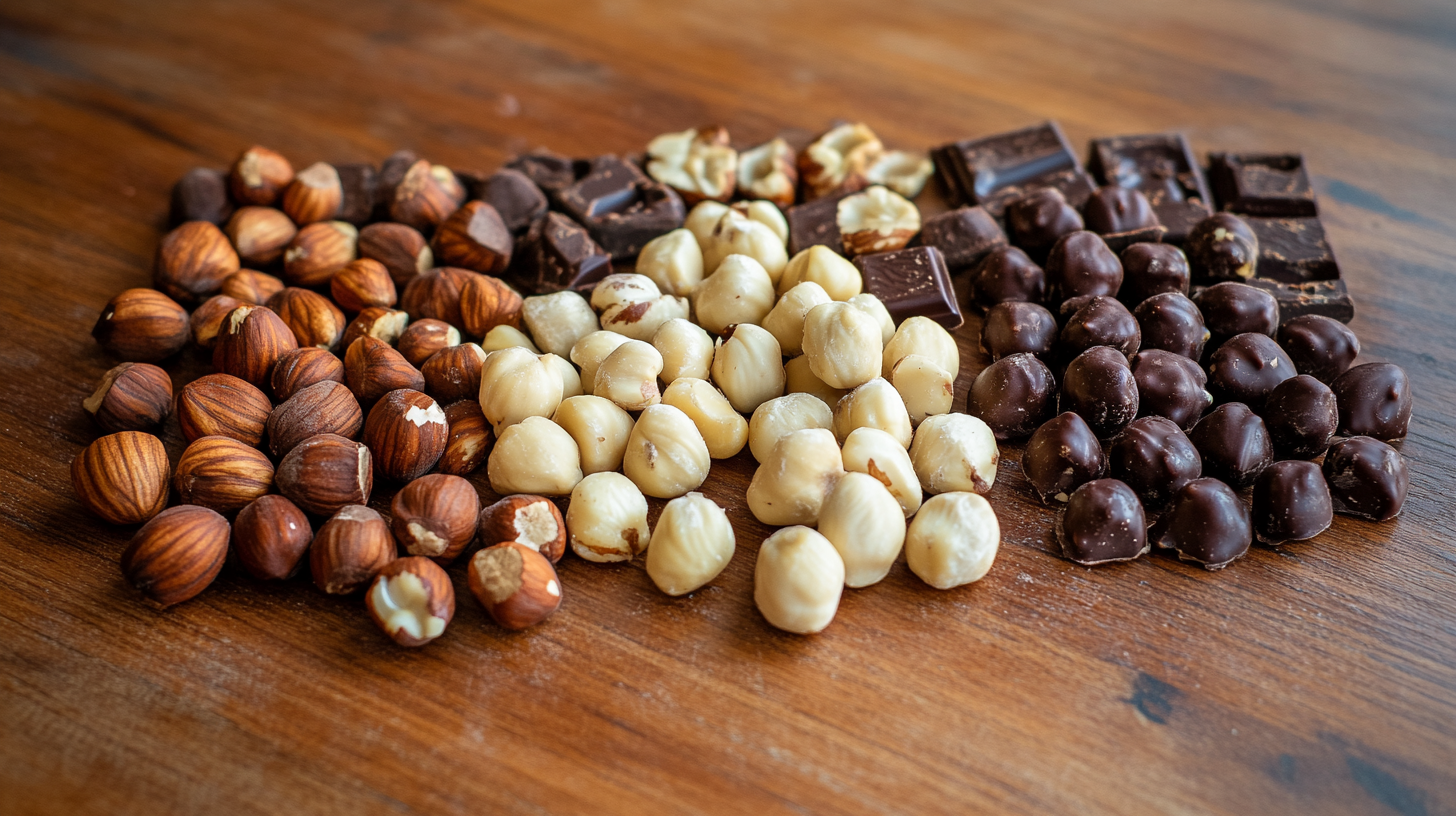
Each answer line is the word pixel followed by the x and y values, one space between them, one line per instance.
pixel 926 388
pixel 790 486
pixel 641 320
pixel 786 320
pixel 724 430
pixel 901 171
pixel 623 289
pixel 955 452
pixel 536 456
pixel 822 265
pixel 738 291
pixel 692 544
pixel 599 428
pixel 738 234
pixel 798 579
pixel 839 159
pixel 702 220
pixel 876 219
pixel 798 379
pixel 515 384
pixel 953 540
pixel 842 344
pixel 558 320
pixel 503 337
pixel 876 453
pixel 876 404
pixel 666 456
pixel 923 336
pixel 628 376
pixel 570 379
pixel 766 213
pixel 864 523
pixel 607 518
pixel 686 349
pixel 768 172
pixel 698 163
pixel 876 309
pixel 674 261
pixel 783 415
pixel 591 350
pixel 748 366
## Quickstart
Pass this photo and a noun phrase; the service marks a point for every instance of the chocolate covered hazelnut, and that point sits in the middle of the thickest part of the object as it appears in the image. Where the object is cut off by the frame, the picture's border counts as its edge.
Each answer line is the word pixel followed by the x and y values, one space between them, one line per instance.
pixel 1320 346
pixel 1233 444
pixel 1367 478
pixel 1170 385
pixel 1301 415
pixel 1103 522
pixel 1113 209
pixel 1013 395
pixel 1246 368
pixel 1039 218
pixel 1081 264
pixel 1230 308
pixel 1099 386
pixel 1154 457
pixel 1171 322
pixel 1016 327
pixel 1374 400
pixel 1291 502
pixel 1007 274
pixel 1222 247
pixel 1152 269
pixel 1062 455
pixel 1207 523
pixel 1101 321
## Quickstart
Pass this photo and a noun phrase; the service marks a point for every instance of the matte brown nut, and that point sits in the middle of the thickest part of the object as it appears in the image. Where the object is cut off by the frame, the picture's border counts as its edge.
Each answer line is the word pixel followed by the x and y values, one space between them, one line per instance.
pixel 193 260
pixel 372 368
pixel 474 237
pixel 324 407
pixel 176 555
pixel 453 373
pixel 271 537
pixel 838 161
pixel 313 318
pixel 222 474
pixel 436 294
pixel 223 405
pixel 349 550
pixel 876 220
pixel 362 283
pixel 318 251
pixel 426 196
pixel 411 600
pixel 315 194
pixel 768 172
pixel 200 195
pixel 487 302
pixel 251 286
pixel 379 323
pixel 260 234
pixel 470 439
pixel 130 397
pixel 406 431
pixel 249 343
pixel 515 584
pixel 435 516
pixel 699 163
pixel 259 176
pixel 300 368
pixel 532 521
pixel 142 325
pixel 207 319
pixel 425 338
pixel 401 248
pixel 325 473
pixel 123 477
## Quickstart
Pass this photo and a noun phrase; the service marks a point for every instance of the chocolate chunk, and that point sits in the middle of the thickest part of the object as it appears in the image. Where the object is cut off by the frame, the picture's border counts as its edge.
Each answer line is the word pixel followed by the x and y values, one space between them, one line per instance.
pixel 1170 385
pixel 912 282
pixel 1328 298
pixel 552 172
pixel 518 200
pixel 1162 166
pixel 1103 522
pixel 964 236
pixel 201 195
pixel 1208 523
pixel 1007 274
pixel 1222 247
pixel 814 224
pixel 997 170
pixel 1301 415
pixel 1101 321
pixel 1152 269
pixel 1374 400
pixel 1367 478
pixel 1319 346
pixel 359 182
pixel 1062 455
pixel 1230 308
pixel 1154 457
pixel 1100 387
pixel 621 207
pixel 1293 250
pixel 1291 503
pixel 1037 219
pixel 1081 264
pixel 1171 322
pixel 1234 444
pixel 557 253
pixel 1016 327
pixel 1122 217
pixel 1013 395
pixel 1246 368
pixel 391 172
pixel 1261 184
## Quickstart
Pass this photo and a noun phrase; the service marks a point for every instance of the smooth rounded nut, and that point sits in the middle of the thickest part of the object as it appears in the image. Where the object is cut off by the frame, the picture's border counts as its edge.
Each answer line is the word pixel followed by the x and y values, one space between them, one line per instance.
pixel 600 428
pixel 372 369
pixel 363 283
pixel 558 320
pixel 607 518
pixel 570 378
pixel 222 474
pixel 724 430
pixel 748 366
pixel 130 397
pixel 876 404
pixel 325 407
pixel 798 580
pixel 435 516
pixel 123 477
pixel 686 349
pixel 666 456
pixel 517 586
pixel 786 321
pixel 702 219
pixel 628 376
pixel 865 524
pixel 177 554
pixel 207 319
pixel 822 265
pixel 737 234
pixel 798 379
pixel 927 389
pixel 531 521
pixel 739 291
pixel 591 350
pixel 454 373
pixel 783 415
pixel 400 247
pixel 534 455
pixel 673 261
pixel 318 251
pixel 406 431
pixel 955 452
pixel 872 451
pixel 425 338
pixel 953 540
pixel 790 486
pixel 436 294
pixel 487 302
pixel 516 384
pixel 641 320
pixel 326 473
pixel 259 234
pixel 692 544
pixel 623 289
pixel 271 538
pixel 249 343
pixel 142 325
pixel 313 318
pixel 377 322
pixel 842 344
pixel 470 439
pixel 251 286
pixel 411 600
pixel 503 337
pixel 192 261
pixel 300 368
pixel 923 336
pixel 349 550
pixel 875 308
pixel 766 213
pixel 314 194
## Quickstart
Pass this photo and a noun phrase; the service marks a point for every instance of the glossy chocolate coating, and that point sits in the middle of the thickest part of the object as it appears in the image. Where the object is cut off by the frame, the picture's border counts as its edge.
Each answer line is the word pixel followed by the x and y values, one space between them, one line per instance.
pixel 1319 346
pixel 518 200
pixel 1291 502
pixel 995 170
pixel 1154 457
pixel 621 207
pixel 1036 220
pixel 1016 326
pixel 1171 322
pixel 815 223
pixel 1301 415
pixel 912 282
pixel 1007 274
pixel 1246 368
pixel 1222 247
pixel 1114 209
pixel 1013 395
pixel 1081 264
pixel 1207 523
pixel 557 253
pixel 1163 167
pixel 1374 400
pixel 1101 321
pixel 1233 443
pixel 964 236
pixel 1151 269
pixel 1231 308
pixel 1103 522
pixel 1099 385
pixel 1170 385
pixel 1367 478
pixel 1062 455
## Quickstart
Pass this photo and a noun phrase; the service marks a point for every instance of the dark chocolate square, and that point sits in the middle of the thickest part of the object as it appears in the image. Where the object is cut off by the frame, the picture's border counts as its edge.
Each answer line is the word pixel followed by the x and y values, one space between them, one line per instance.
pixel 557 253
pixel 1330 298
pixel 997 170
pixel 815 223
pixel 964 236
pixel 518 200
pixel 1161 165
pixel 621 207
pixel 1293 250
pixel 912 282
pixel 1262 184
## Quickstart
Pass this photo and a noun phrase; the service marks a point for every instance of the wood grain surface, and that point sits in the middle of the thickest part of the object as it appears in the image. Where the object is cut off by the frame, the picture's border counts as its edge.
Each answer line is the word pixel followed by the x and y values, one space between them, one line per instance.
pixel 1317 679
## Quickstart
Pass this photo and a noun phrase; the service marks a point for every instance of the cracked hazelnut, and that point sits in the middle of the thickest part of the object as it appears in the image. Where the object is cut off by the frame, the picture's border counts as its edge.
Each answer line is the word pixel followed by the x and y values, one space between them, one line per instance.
pixel 401 248
pixel 790 485
pixel 192 261
pixel 130 397
pixel 768 172
pixel 699 163
pixel 425 338
pixel 300 368
pixel 406 432
pixel 839 277
pixel 673 261
pixel 314 319
pixel 837 161
pixel 223 405
pixel 901 171
pixel 379 323
pixel 531 521
pixel 470 439
pixel 176 555
pixel 435 516
pixel 349 550
pixel 876 404
pixel 953 540
pixel 607 518
pixel 474 237
pixel 666 456
pixel 426 196
pixel 271 538
pixel 207 319
pixel 955 452
pixel 372 369
pixel 686 349
pixel 258 176
pixel 534 455
pixel 315 194
pixel 324 407
pixel 515 584
pixel 864 523
pixel 222 474
pixel 600 429
pixel 692 544
pixel 250 342
pixel 325 473
pixel 362 283
pixel 453 373
pixel 260 234
pixel 778 417
pixel 411 600
pixel 122 477
pixel 877 220
pixel 251 286
pixel 873 452
pixel 318 251
pixel 798 579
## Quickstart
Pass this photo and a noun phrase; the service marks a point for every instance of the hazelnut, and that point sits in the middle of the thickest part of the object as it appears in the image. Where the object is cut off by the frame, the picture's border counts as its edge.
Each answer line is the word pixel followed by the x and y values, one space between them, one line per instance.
pixel 435 516
pixel 362 283
pixel 623 289
pixel 955 452
pixel 873 452
pixel 470 439
pixel 401 248
pixel 300 368
pixel 839 160
pixel 692 544
pixel 698 163
pixel 474 237
pixel 607 518
pixel 502 337
pixel 251 286
pixel 372 369
pixel 641 320
pixel 842 344
pixel 271 537
pixel 558 320
pixel 258 176
pixel 820 264
pixel 515 384
pixel 628 376
pixel 591 350
pixel 790 485
pixel 324 407
pixel 313 318
pixel 318 251
pixel 436 294
pixel 260 234
pixel 901 171
pixel 865 524
pixel 531 521
pixel 686 349
pixel 666 456
pixel 516 585
pixel 876 220
pixel 207 319
pixel 673 261
pixel 876 404
pixel 786 320
pixel 875 308
pixel 925 387
pixel 176 555
pixel 142 325
pixel 953 540
pixel 349 550
pixel 315 194
pixel 411 600
pixel 738 234
pixel 797 580
pixel 766 213
pixel 781 416
pixel 425 338
pixel 453 373
pixel 222 474
pixel 406 431
pixel 738 291
pixel 724 430
pixel 249 343
pixel 223 405
pixel 130 397
pixel 200 195
pixel 326 473
pixel 798 379
pixel 702 220
pixel 748 366
pixel 487 302
pixel 570 379
pixel 923 336
pixel 122 477
pixel 600 429
pixel 377 322
pixel 768 172
pixel 426 196
pixel 534 455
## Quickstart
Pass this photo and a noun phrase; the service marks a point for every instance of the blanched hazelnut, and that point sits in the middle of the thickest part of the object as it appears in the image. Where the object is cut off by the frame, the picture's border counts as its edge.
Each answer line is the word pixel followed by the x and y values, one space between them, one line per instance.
pixel 600 429
pixel 737 234
pixel 698 163
pixel 842 344
pixel 502 337
pixel 798 580
pixel 901 171
pixel 692 544
pixel 607 518
pixel 673 261
pixel 623 289
pixel 926 388
pixel 876 404
pixel 666 456
pixel 790 486
pixel 628 376
pixel 876 453
pixel 768 172
pixel 923 336
pixel 786 320
pixel 724 430
pixel 783 415
pixel 641 320
pixel 798 379
pixel 876 220
pixel 748 367
pixel 570 379
pixel 875 308
pixel 766 213
pixel 534 455
pixel 952 540
pixel 840 278
pixel 864 523
pixel 838 160
pixel 515 384
pixel 702 220
pixel 591 350
pixel 738 291
pixel 686 349
pixel 955 452
pixel 558 320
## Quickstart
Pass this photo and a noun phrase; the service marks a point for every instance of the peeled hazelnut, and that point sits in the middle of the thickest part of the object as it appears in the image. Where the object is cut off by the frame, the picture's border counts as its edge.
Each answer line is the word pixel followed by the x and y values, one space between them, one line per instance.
pixel 797 580
pixel 925 387
pixel 258 176
pixel 325 473
pixel 766 213
pixel 786 320
pixel 737 234
pixel 955 452
pixel 923 336
pixel 876 404
pixel 349 550
pixel 702 220
pixel 747 365
pixel 411 600
pixel 470 439
pixel 406 431
pixel 324 407
pixel 300 368
pixel 207 319
pixel 222 474
pixel 781 416
pixel 641 320
pixel 591 350
pixel 271 537
pixel 768 172
pixel 130 397
pixel 259 234
pixel 724 430
pixel 738 291
pixel 842 344
pixel 435 516
pixel 515 384
pixel 534 455
pixel 318 251
pixel 686 349
pixel 600 429
pixel 454 373
pixel 474 237
pixel 251 286
pixel 426 196
pixel 875 308
pixel 313 318
pixel 142 325
pixel 515 584
pixel 315 194
pixel 531 521
pixel 628 376
pixel 798 379
pixel 901 171
pixel 362 283
pixel 436 294
pixel 790 485
pixel 379 323
pixel 673 261
pixel 698 163
pixel 873 452
pixel 123 477
pixel 666 456
pixel 820 264
pixel 487 302
pixel 877 220
pixel 607 518
pixel 692 544
pixel 864 523
pixel 839 160
pixel 953 540
pixel 425 338
pixel 223 405
pixel 176 555
pixel 249 343
pixel 401 248
pixel 558 320
pixel 372 369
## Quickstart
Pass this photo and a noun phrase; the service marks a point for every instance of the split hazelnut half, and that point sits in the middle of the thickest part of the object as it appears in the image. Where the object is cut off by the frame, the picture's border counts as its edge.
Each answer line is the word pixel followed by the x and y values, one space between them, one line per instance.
pixel 698 163
pixel 877 220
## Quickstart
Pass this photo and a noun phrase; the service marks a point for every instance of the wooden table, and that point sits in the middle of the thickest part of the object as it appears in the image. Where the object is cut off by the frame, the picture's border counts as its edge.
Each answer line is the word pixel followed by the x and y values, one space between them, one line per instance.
pixel 1317 679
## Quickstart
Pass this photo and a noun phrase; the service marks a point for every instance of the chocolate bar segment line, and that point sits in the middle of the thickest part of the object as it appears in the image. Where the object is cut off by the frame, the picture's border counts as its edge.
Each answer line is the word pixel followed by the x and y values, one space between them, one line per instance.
pixel 996 170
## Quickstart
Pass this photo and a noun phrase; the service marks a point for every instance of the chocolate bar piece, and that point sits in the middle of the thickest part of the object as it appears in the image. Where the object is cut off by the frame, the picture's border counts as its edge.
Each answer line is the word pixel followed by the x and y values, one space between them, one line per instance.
pixel 359 182
pixel 621 207
pixel 1162 167
pixel 964 236
pixel 551 172
pixel 1293 250
pixel 1322 297
pixel 997 170
pixel 815 223
pixel 912 282
pixel 1262 184
pixel 518 200
pixel 556 254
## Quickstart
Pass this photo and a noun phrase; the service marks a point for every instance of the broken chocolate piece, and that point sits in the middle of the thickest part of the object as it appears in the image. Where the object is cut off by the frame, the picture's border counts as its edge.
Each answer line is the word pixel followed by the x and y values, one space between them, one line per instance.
pixel 518 200
pixel 964 236
pixel 556 254
pixel 996 170
pixel 621 207
pixel 201 195
pixel 358 182
pixel 1293 250
pixel 551 172
pixel 1328 298
pixel 1262 184
pixel 814 224
pixel 1162 167
pixel 910 282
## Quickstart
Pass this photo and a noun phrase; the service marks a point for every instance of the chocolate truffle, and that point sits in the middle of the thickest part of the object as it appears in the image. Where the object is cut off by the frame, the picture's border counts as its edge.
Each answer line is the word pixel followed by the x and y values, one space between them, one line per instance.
pixel 1016 326
pixel 1233 443
pixel 1374 400
pixel 1207 523
pixel 1081 264
pixel 1013 395
pixel 1170 385
pixel 1114 209
pixel 1062 455
pixel 1152 269
pixel 1320 346
pixel 1291 502
pixel 1154 457
pixel 1007 274
pixel 1171 322
pixel 1099 385
pixel 1301 415
pixel 1039 218
pixel 1101 321
pixel 1222 247
pixel 1103 522
pixel 963 236
pixel 1230 308
pixel 1367 478
pixel 1246 368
